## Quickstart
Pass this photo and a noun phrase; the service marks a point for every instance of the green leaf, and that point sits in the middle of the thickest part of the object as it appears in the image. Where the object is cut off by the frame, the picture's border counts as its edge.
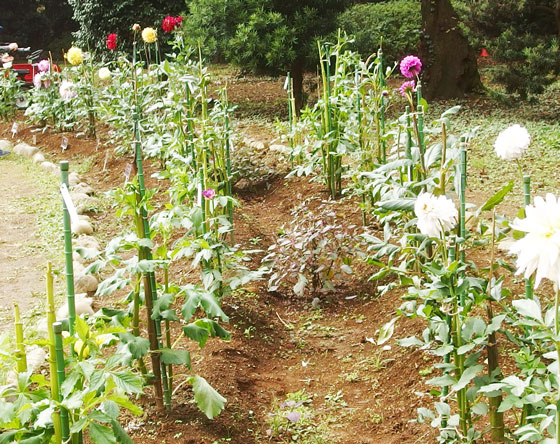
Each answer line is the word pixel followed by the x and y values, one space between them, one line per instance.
pixel 161 304
pixel 529 308
pixel 442 381
pixel 410 341
pixel 128 382
pixel 39 439
pixel 137 345
pixel 75 401
pixel 100 434
pixel 7 412
pixel 386 332
pixel 177 357
pixel 467 376
pixel 480 408
pixel 44 419
pixel 125 403
pixel 120 433
pixel 8 437
pixel 496 198
pixel 82 328
pixel 192 299
pixel 209 401
pixel 211 305
pixel 110 408
pixel 405 204
pixel 196 333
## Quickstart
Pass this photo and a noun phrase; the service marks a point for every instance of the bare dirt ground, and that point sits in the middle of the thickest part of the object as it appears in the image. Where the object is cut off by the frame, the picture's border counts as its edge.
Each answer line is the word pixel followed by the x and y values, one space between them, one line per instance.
pixel 21 263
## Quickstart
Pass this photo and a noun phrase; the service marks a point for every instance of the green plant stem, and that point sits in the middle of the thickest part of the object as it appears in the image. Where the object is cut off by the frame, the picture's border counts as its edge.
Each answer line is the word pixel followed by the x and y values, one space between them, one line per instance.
pixel 51 319
pixel 557 345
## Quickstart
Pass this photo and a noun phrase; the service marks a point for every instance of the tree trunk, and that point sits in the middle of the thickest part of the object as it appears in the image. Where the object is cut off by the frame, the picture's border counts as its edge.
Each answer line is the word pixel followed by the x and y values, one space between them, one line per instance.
pixel 450 68
pixel 297 78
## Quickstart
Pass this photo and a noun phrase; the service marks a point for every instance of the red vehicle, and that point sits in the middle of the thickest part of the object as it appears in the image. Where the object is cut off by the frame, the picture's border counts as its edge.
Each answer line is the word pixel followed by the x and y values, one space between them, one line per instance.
pixel 26 71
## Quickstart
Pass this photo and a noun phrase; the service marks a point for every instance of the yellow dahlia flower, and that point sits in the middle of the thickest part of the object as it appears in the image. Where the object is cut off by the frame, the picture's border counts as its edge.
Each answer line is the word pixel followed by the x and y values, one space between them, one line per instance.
pixel 149 35
pixel 75 56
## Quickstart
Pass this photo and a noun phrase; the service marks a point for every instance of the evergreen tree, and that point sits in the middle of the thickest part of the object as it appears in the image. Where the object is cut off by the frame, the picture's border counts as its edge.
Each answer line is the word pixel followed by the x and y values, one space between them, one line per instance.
pixel 522 34
pixel 99 18
pixel 272 36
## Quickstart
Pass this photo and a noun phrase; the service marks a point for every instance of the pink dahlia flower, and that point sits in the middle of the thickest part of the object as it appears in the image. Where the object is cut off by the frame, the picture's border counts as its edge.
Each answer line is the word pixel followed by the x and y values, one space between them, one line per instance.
pixel 407 87
pixel 44 65
pixel 410 66
pixel 209 193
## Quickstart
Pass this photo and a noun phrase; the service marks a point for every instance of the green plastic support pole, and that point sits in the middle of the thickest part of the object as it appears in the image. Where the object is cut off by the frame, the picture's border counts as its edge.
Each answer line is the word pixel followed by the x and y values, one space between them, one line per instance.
pixel 382 110
pixel 60 375
pixel 527 201
pixel 408 146
pixel 51 319
pixel 462 227
pixel 228 170
pixel 154 326
pixel 68 253
pixel 21 359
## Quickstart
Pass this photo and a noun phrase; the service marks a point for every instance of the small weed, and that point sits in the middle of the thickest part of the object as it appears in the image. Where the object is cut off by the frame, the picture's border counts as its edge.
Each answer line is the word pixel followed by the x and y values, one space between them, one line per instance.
pixel 295 420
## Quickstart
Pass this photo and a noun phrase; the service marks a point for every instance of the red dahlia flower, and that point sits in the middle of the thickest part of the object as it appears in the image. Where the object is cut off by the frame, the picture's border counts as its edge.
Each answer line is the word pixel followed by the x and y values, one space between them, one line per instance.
pixel 171 23
pixel 112 42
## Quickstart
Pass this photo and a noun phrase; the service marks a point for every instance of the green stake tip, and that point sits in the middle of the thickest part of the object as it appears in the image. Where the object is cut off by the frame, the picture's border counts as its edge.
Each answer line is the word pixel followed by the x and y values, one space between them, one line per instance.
pixel 64 165
pixel 57 327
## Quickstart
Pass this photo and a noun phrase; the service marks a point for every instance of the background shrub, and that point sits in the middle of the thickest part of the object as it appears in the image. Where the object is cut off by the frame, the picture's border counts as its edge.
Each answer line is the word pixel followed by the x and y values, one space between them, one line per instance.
pixel 397 22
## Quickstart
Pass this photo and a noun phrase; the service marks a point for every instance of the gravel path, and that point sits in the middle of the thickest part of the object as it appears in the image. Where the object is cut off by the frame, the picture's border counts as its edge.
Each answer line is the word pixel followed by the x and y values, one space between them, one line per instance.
pixel 21 262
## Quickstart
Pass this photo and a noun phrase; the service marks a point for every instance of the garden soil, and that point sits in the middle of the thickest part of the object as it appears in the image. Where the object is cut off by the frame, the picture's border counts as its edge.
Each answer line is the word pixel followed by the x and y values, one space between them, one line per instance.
pixel 361 392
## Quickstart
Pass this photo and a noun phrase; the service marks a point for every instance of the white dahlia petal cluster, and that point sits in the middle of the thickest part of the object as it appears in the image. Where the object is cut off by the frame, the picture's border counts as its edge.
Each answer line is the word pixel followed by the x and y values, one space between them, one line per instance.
pixel 512 142
pixel 539 250
pixel 436 214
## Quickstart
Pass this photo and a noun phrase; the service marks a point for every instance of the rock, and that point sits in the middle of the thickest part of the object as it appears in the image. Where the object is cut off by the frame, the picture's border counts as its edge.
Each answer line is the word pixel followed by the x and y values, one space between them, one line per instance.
pixel 49 167
pixel 6 145
pixel 84 188
pixel 38 158
pixel 78 198
pixel 25 150
pixel 87 242
pixel 86 284
pixel 73 179
pixel 87 204
pixel 257 145
pixel 82 227
pixel 82 303
pixel 84 217
pixel 78 268
pixel 36 357
pixel 315 302
pixel 283 149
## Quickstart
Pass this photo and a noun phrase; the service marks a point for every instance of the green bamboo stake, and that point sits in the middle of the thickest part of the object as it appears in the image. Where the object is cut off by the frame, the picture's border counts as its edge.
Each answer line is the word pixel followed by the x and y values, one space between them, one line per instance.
pixel 462 227
pixel 527 200
pixel 421 142
pixel 442 178
pixel 408 147
pixel 69 270
pixel 51 319
pixel 228 168
pixel 21 359
pixel 382 110
pixel 150 293
pixel 60 375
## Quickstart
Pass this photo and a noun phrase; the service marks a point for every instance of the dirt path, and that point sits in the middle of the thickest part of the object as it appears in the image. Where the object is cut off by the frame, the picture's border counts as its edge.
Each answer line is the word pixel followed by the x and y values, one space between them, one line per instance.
pixel 21 263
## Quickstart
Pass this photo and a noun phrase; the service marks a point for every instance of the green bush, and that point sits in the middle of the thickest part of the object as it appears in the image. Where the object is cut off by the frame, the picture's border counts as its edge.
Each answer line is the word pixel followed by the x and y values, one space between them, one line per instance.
pixel 397 23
